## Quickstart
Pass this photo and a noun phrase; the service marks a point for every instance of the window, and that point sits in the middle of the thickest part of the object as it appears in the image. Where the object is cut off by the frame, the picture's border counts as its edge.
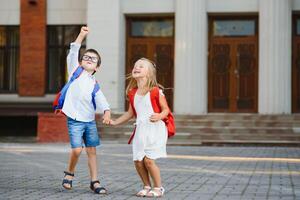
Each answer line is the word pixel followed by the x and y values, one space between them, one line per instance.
pixel 234 27
pixel 9 58
pixel 152 28
pixel 58 42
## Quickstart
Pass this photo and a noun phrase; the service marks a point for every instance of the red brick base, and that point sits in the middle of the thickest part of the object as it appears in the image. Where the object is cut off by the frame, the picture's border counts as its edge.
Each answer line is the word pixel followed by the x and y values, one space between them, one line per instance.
pixel 52 128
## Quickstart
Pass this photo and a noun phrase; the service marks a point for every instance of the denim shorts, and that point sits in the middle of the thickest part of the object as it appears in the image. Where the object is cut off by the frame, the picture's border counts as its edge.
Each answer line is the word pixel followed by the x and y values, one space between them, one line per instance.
pixel 83 133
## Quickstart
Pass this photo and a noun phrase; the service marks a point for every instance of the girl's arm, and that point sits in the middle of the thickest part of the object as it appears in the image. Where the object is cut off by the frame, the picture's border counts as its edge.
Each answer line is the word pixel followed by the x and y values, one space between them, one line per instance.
pixel 164 110
pixel 124 118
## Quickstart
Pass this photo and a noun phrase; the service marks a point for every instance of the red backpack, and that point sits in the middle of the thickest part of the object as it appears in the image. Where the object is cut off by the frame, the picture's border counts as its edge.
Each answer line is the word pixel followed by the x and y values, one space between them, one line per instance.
pixel 154 96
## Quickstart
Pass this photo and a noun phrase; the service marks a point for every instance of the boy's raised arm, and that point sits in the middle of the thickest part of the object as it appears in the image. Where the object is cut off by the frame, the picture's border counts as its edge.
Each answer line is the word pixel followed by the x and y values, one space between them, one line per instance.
pixel 72 58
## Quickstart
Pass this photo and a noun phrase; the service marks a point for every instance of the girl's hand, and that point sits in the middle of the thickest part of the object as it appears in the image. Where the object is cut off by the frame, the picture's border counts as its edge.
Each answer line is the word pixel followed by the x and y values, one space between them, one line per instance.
pixel 112 122
pixel 155 117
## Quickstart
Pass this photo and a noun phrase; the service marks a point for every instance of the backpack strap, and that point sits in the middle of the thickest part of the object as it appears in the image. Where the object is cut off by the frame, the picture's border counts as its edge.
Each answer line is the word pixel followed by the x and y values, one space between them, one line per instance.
pixel 131 95
pixel 95 90
pixel 169 120
pixel 154 96
pixel 76 73
pixel 59 101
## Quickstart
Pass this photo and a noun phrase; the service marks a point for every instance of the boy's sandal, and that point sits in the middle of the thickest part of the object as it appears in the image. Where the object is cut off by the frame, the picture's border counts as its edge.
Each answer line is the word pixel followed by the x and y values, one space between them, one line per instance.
pixel 156 192
pixel 144 191
pixel 98 190
pixel 67 181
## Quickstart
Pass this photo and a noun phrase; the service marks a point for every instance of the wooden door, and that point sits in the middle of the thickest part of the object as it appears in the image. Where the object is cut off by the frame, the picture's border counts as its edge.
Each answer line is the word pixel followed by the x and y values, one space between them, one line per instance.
pixel 296 65
pixel 233 71
pixel 160 49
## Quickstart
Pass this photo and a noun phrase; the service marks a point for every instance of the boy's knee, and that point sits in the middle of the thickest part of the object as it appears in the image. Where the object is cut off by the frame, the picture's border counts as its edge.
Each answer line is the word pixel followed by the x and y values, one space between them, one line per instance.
pixel 77 151
pixel 91 151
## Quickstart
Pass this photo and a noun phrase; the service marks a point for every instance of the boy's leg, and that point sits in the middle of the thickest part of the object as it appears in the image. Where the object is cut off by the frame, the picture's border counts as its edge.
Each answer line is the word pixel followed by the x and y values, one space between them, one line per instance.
pixel 142 172
pixel 74 155
pixel 92 162
pixel 91 140
pixel 153 170
pixel 75 129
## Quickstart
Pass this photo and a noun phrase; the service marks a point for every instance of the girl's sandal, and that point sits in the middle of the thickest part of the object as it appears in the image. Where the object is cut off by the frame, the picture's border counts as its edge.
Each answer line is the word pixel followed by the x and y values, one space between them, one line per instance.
pixel 67 181
pixel 144 191
pixel 156 192
pixel 97 190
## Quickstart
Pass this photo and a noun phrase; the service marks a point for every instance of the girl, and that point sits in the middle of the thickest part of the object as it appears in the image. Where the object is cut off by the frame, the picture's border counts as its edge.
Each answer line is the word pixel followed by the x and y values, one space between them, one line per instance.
pixel 150 137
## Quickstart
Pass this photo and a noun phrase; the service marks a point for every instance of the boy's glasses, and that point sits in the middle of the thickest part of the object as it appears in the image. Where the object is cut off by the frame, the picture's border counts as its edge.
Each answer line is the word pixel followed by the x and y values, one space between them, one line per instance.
pixel 87 58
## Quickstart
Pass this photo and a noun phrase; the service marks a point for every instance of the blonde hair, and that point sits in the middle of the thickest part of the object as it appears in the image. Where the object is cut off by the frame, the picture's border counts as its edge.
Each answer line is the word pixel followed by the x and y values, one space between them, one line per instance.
pixel 151 78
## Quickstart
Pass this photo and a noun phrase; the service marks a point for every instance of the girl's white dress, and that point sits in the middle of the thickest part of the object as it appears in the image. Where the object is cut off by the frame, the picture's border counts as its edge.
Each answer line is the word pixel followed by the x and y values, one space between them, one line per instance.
pixel 150 137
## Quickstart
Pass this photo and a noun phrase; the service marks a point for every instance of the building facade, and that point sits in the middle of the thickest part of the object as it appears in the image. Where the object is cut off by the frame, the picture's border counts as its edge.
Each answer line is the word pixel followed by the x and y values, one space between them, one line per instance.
pixel 236 56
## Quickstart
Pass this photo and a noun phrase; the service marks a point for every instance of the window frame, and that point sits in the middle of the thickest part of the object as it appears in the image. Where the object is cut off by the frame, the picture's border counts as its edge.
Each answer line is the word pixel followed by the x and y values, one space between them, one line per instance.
pixel 7 48
pixel 64 48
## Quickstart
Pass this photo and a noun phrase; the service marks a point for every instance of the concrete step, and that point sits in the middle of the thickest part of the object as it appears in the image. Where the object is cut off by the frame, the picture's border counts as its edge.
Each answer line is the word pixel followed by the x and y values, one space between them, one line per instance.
pixel 213 130
pixel 224 129
pixel 238 116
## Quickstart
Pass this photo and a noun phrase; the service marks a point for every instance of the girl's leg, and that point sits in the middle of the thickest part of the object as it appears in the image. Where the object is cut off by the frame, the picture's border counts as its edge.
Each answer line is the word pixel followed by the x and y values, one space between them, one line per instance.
pixel 143 172
pixel 153 170
pixel 74 156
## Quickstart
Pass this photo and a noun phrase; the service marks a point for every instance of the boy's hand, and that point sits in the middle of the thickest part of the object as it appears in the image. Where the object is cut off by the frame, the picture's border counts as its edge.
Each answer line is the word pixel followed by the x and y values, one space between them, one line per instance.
pixel 106 117
pixel 83 33
pixel 155 117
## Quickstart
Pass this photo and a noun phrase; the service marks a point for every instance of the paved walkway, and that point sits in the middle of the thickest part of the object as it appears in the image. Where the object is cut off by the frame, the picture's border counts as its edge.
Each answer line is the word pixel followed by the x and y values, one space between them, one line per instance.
pixel 34 171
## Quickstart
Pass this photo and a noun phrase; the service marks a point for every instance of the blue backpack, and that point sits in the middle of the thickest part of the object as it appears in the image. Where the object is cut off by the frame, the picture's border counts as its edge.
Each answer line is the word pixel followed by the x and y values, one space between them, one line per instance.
pixel 60 97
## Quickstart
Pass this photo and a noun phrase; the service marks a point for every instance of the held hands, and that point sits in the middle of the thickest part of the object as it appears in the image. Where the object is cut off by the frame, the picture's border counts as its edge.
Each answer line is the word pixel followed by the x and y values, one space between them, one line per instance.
pixel 106 117
pixel 112 122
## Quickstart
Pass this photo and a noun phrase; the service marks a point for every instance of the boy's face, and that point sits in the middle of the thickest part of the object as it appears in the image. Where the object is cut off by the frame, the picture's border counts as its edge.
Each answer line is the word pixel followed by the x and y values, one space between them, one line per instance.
pixel 89 61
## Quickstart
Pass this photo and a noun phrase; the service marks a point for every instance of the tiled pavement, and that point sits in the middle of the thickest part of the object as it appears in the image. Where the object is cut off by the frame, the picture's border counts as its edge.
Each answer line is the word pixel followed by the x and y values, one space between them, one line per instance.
pixel 34 171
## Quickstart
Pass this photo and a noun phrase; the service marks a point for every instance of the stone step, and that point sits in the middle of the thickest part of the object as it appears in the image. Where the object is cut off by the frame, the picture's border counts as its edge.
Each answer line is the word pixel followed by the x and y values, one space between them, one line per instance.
pixel 224 129
pixel 213 130
pixel 238 116
pixel 238 123
pixel 232 117
pixel 191 135
pixel 211 136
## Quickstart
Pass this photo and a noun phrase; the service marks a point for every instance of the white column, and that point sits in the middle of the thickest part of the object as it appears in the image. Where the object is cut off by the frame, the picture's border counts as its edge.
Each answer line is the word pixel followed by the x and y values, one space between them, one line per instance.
pixel 274 56
pixel 190 95
pixel 106 22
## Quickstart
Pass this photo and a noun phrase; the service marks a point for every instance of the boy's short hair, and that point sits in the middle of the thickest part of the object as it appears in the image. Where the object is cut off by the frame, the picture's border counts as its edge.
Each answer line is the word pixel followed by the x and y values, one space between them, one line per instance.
pixel 92 51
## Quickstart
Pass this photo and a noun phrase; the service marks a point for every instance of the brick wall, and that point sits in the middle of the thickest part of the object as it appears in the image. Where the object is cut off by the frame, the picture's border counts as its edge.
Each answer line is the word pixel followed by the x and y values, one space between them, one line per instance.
pixel 52 128
pixel 32 48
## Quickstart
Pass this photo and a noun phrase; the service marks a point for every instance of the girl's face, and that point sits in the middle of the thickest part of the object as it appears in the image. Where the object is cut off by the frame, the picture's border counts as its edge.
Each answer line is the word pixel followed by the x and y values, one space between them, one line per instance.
pixel 89 61
pixel 140 69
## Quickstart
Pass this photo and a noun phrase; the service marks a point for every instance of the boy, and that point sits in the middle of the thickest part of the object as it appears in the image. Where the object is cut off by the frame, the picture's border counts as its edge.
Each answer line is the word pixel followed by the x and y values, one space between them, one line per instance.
pixel 79 106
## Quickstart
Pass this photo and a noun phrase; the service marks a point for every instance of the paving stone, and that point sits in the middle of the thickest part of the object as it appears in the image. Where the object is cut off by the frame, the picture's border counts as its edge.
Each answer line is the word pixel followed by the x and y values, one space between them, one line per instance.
pixel 35 171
